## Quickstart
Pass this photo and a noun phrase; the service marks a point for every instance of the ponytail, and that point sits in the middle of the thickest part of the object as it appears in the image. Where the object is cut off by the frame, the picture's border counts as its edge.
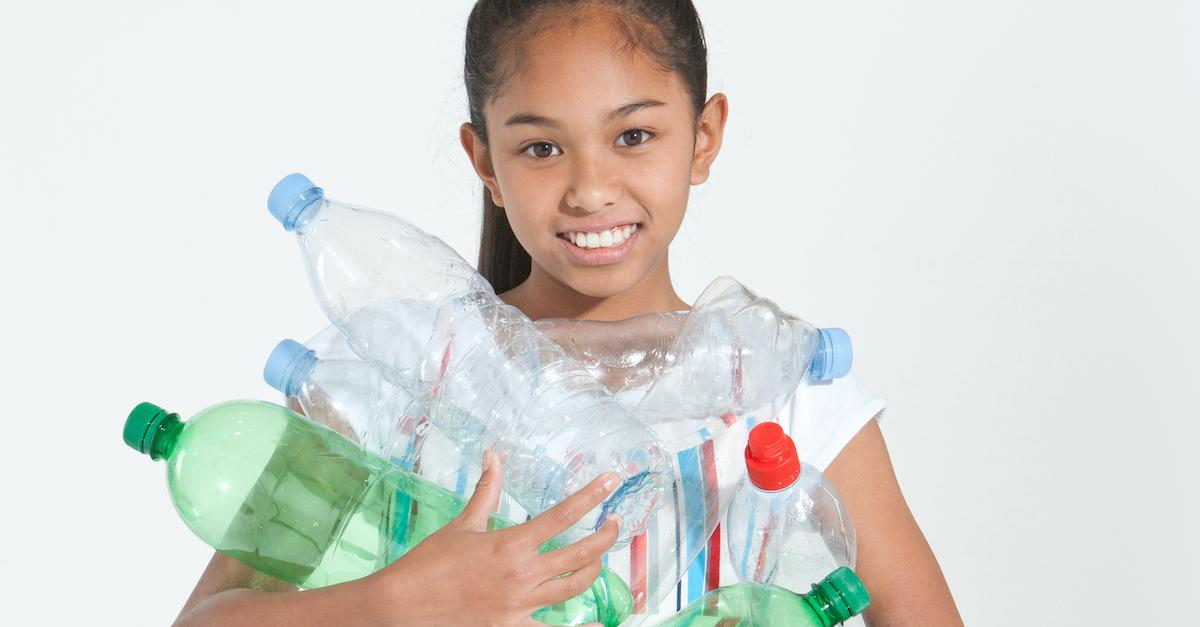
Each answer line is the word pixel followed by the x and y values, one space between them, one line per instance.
pixel 502 259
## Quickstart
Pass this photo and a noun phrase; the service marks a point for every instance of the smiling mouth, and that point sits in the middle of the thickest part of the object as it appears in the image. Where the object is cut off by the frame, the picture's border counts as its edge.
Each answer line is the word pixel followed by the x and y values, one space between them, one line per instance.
pixel 610 238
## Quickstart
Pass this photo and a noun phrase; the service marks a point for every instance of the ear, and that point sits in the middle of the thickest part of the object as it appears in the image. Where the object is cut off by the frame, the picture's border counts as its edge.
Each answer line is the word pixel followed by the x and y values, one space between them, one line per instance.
pixel 710 130
pixel 477 152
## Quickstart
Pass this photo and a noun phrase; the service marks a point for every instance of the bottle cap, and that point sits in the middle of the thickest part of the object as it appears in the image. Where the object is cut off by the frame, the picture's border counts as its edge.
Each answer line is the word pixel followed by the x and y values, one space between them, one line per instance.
pixel 834 355
pixel 847 590
pixel 288 366
pixel 290 196
pixel 771 459
pixel 142 424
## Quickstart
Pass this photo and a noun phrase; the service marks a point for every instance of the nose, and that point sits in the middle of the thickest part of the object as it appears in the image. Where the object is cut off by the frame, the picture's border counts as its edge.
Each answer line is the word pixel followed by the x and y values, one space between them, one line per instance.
pixel 594 187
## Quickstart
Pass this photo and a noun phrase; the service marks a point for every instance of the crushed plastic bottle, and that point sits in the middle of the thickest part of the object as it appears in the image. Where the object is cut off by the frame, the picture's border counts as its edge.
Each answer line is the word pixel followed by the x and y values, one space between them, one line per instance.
pixel 831 601
pixel 480 369
pixel 786 525
pixel 299 502
pixel 733 352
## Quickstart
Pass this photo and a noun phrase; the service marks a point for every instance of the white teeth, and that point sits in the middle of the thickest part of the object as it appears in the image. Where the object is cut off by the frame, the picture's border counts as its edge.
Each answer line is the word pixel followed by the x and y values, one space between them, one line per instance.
pixel 602 239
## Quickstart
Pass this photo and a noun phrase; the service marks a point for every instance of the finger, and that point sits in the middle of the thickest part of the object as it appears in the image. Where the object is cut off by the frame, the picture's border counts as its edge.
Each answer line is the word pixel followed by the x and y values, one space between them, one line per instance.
pixel 486 498
pixel 566 587
pixel 560 517
pixel 575 556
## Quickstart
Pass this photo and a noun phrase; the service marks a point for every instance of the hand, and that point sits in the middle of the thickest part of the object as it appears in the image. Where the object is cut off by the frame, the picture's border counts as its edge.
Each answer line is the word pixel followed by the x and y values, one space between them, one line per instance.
pixel 466 575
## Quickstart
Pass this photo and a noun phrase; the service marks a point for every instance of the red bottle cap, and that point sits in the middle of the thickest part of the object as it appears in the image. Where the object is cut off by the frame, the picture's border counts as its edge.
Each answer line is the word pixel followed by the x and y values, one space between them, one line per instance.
pixel 771 459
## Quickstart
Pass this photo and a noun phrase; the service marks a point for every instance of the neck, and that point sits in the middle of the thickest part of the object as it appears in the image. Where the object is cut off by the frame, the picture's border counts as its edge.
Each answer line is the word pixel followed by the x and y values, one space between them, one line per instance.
pixel 543 296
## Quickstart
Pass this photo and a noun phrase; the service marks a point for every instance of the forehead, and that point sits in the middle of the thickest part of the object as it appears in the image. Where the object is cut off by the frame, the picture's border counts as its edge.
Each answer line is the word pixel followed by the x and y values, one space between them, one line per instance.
pixel 581 71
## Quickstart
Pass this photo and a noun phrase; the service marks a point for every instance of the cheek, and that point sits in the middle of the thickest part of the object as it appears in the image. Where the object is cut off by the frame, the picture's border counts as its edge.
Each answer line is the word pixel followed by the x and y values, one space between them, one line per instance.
pixel 530 202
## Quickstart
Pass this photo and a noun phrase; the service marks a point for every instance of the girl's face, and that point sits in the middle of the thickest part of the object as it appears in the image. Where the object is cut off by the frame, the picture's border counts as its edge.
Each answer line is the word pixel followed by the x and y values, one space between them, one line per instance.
pixel 592 150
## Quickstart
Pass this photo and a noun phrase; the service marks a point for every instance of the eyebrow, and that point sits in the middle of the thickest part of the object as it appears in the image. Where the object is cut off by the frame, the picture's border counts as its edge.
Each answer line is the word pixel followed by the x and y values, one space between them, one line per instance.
pixel 619 112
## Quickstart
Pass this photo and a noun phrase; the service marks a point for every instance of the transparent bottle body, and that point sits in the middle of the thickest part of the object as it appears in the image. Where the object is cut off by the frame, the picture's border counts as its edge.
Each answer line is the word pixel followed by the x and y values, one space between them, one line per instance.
pixel 791 537
pixel 350 397
pixel 733 352
pixel 480 370
pixel 297 501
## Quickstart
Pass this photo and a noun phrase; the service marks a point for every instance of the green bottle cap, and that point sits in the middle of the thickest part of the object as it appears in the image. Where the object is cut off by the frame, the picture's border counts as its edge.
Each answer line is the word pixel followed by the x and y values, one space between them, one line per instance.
pixel 142 425
pixel 843 585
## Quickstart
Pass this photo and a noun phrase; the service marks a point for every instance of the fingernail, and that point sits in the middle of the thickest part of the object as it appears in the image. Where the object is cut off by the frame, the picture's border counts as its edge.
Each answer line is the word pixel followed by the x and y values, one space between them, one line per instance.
pixel 616 520
pixel 487 459
pixel 610 481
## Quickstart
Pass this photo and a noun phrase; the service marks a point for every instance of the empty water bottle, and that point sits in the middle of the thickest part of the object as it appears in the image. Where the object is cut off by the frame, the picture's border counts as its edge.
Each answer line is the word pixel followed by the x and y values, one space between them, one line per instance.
pixel 831 601
pixel 349 396
pixel 733 352
pixel 481 370
pixel 786 524
pixel 298 502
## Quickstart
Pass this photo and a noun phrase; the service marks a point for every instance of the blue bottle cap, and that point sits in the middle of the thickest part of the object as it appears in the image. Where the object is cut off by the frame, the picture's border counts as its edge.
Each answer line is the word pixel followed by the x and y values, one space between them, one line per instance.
pixel 289 366
pixel 834 355
pixel 290 197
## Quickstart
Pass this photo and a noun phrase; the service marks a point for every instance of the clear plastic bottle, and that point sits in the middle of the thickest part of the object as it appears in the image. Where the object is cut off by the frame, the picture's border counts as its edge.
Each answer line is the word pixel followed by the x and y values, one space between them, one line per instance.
pixel 296 501
pixel 350 397
pixel 481 371
pixel 832 601
pixel 786 524
pixel 733 352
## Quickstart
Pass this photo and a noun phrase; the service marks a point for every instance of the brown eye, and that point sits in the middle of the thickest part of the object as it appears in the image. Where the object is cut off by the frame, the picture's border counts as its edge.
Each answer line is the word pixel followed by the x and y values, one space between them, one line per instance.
pixel 634 137
pixel 541 150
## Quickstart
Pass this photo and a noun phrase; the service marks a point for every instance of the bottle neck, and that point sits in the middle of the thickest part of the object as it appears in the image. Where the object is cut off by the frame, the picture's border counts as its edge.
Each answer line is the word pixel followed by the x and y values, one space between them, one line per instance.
pixel 827 605
pixel 164 437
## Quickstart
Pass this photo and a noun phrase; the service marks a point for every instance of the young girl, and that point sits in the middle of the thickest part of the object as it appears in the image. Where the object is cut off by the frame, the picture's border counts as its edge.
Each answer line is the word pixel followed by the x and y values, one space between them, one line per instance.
pixel 588 124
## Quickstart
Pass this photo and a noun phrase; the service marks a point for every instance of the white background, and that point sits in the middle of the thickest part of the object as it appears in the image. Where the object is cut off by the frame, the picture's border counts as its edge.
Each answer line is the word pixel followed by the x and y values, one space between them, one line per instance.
pixel 997 199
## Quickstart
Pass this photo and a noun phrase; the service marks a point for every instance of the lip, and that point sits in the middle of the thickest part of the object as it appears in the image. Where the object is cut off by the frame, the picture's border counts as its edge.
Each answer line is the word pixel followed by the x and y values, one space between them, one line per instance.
pixel 603 256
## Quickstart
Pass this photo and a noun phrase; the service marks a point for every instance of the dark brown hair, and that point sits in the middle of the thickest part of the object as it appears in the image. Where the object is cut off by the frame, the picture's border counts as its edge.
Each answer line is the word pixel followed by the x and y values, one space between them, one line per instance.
pixel 669 31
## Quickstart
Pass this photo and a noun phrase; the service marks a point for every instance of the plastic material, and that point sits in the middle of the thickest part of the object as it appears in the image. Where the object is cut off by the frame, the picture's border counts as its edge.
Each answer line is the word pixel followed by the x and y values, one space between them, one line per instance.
pixel 288 366
pixel 296 501
pixel 834 355
pixel 290 197
pixel 771 459
pixel 629 356
pixel 479 369
pixel 733 352
pixel 791 534
pixel 832 601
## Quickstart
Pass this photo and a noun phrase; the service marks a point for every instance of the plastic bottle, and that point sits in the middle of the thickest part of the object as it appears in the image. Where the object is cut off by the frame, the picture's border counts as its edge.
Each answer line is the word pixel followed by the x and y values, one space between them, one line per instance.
pixel 832 601
pixel 786 524
pixel 733 352
pixel 301 503
pixel 480 370
pixel 349 396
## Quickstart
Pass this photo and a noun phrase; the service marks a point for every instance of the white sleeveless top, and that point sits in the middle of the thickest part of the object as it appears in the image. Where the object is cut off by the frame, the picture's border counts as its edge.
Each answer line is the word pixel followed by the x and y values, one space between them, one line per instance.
pixel 821 420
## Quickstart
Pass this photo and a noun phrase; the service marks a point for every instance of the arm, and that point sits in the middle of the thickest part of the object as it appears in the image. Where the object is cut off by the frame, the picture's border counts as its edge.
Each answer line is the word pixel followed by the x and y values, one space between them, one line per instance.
pixel 231 593
pixel 894 560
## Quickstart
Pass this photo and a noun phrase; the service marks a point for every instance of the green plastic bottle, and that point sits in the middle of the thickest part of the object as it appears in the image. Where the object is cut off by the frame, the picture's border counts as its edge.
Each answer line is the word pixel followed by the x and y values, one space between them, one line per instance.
pixel 831 602
pixel 297 501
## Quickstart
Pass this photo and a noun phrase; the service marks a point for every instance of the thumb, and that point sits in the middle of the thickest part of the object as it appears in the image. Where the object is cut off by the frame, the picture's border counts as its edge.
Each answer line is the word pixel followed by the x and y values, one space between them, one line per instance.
pixel 486 498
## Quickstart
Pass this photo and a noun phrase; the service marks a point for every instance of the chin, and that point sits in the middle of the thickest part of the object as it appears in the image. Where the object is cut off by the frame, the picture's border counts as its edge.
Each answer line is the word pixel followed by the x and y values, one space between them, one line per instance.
pixel 600 282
